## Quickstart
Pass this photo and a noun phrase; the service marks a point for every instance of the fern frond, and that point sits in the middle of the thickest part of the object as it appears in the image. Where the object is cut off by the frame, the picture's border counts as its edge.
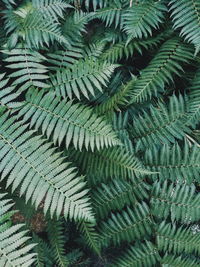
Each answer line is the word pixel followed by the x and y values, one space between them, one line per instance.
pixel 56 238
pixel 63 59
pixel 142 18
pixel 7 93
pixel 177 240
pixel 122 50
pixel 43 252
pixel 90 236
pixel 163 124
pixel 51 8
pixel 29 163
pixel 82 79
pixel 27 68
pixel 72 123
pixel 14 250
pixel 174 163
pixel 126 226
pixel 174 261
pixel 194 100
pixel 110 15
pixel 109 163
pixel 116 194
pixel 172 54
pixel 144 255
pixel 75 25
pixel 179 201
pixel 186 17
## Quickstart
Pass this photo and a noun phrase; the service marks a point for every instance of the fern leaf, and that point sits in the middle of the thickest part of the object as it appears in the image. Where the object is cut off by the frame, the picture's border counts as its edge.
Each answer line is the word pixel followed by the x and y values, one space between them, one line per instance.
pixel 179 201
pixel 160 71
pixel 63 59
pixel 163 124
pixel 29 163
pixel 186 17
pixel 144 255
pixel 174 163
pixel 194 100
pixel 174 261
pixel 126 226
pixel 56 237
pixel 14 250
pixel 82 79
pixel 109 163
pixel 142 18
pixel 27 68
pixel 117 194
pixel 90 236
pixel 177 240
pixel 7 93
pixel 67 121
pixel 51 8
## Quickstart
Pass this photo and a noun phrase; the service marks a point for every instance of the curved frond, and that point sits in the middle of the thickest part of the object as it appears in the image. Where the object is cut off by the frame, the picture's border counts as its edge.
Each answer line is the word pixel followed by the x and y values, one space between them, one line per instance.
pixel 51 8
pixel 65 121
pixel 161 124
pixel 14 250
pixel 142 18
pixel 29 163
pixel 194 100
pixel 144 255
pixel 174 261
pixel 27 68
pixel 177 240
pixel 186 17
pixel 126 226
pixel 82 79
pixel 90 236
pixel 57 239
pixel 172 54
pixel 116 195
pixel 179 201
pixel 109 163
pixel 174 163
pixel 7 93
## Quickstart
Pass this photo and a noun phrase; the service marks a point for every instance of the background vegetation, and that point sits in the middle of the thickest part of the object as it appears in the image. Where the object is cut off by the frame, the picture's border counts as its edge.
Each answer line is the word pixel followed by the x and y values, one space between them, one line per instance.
pixel 99 133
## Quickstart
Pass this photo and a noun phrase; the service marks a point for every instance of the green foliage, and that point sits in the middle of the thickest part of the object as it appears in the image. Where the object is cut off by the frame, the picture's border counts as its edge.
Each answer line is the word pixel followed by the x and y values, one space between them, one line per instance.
pixel 14 250
pixel 65 120
pixel 144 255
pixel 186 17
pixel 115 85
pixel 142 18
pixel 180 201
pixel 174 163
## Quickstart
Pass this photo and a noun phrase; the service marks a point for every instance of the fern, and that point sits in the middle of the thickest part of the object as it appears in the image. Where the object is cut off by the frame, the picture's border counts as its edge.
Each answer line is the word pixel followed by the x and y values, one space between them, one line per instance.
pixel 55 231
pixel 186 16
pixel 14 250
pixel 178 201
pixel 163 124
pixel 174 163
pixel 142 17
pixel 115 195
pixel 35 167
pixel 171 260
pixel 146 255
pixel 160 71
pixel 49 113
pixel 194 97
pixel 27 67
pixel 126 226
pixel 177 240
pixel 81 79
pixel 115 162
